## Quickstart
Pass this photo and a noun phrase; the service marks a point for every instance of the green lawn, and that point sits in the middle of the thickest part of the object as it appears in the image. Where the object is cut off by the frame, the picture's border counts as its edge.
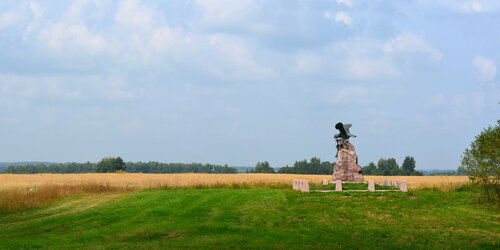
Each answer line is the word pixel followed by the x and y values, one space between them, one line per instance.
pixel 255 218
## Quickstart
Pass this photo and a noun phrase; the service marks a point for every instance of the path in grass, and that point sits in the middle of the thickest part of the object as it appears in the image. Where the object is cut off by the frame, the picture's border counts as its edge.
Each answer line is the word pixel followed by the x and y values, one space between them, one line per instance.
pixel 255 218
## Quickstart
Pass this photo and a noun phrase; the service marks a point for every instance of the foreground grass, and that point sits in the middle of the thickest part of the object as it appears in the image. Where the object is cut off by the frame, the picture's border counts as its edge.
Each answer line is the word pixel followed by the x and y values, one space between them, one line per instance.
pixel 254 218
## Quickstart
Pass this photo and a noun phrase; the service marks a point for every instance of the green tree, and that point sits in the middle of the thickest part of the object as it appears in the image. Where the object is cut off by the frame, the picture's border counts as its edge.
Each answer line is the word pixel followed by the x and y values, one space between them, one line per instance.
pixel 408 164
pixel 286 170
pixel 110 165
pixel 482 162
pixel 388 166
pixel 371 169
pixel 263 167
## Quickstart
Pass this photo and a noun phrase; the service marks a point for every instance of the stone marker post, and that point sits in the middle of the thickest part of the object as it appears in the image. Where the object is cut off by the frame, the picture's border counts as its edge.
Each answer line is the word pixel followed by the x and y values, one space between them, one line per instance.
pixel 294 184
pixel 396 183
pixel 338 185
pixel 305 187
pixel 403 186
pixel 389 182
pixel 383 182
pixel 371 186
pixel 325 181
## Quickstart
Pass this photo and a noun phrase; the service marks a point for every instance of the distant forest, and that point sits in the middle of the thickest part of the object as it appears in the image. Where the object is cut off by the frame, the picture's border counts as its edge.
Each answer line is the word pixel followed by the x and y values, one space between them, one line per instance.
pixel 131 167
pixel 314 166
pixel 386 167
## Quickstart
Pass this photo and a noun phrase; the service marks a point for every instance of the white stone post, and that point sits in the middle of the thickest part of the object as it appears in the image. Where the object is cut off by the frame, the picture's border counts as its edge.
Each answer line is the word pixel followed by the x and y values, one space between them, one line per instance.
pixel 305 187
pixel 371 186
pixel 294 184
pixel 325 181
pixel 338 185
pixel 403 186
pixel 396 183
pixel 383 182
pixel 389 182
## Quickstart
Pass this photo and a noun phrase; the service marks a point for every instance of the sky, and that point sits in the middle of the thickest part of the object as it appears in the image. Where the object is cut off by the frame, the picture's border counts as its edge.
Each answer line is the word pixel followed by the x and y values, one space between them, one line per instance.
pixel 237 82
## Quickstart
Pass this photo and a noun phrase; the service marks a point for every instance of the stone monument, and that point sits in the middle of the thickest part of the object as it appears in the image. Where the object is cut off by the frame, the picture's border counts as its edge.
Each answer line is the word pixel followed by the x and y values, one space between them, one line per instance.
pixel 347 168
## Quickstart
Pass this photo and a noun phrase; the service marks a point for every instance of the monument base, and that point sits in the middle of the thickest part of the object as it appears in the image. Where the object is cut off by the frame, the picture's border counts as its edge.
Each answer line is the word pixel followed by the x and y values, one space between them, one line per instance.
pixel 347 168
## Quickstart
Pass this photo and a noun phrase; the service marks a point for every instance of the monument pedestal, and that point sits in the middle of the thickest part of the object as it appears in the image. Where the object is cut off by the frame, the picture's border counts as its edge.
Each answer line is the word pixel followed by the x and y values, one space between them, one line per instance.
pixel 347 168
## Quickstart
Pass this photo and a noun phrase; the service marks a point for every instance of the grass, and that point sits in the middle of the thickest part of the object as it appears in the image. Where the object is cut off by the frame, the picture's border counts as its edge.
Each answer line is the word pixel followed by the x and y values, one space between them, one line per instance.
pixel 19 191
pixel 27 197
pixel 254 218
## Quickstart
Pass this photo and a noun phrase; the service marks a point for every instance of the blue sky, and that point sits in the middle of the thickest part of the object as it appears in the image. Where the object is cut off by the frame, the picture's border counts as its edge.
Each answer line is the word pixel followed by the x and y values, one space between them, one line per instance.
pixel 243 81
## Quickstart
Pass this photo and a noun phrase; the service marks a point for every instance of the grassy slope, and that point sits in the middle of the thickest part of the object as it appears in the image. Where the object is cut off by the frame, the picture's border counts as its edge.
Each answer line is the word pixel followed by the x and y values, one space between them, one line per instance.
pixel 254 218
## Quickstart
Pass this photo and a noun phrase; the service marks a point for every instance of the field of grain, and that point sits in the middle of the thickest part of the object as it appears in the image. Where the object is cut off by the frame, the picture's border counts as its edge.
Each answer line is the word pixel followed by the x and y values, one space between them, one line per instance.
pixel 139 181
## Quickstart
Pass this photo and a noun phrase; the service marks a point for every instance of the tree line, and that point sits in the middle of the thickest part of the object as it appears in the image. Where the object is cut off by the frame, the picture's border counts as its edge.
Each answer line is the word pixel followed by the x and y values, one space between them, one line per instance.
pixel 385 167
pixel 388 167
pixel 111 164
pixel 315 166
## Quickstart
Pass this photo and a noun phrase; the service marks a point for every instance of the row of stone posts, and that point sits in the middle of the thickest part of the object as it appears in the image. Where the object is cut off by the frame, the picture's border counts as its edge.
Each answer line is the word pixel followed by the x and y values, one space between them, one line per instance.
pixel 303 185
pixel 401 185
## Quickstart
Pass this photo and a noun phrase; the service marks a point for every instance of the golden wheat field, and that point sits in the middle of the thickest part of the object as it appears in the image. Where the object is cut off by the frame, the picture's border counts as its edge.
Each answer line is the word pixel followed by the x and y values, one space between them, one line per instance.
pixel 19 191
pixel 132 180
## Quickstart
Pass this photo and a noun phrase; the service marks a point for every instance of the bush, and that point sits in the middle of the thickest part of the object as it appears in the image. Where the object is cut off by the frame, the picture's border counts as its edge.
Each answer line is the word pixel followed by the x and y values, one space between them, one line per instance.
pixel 482 163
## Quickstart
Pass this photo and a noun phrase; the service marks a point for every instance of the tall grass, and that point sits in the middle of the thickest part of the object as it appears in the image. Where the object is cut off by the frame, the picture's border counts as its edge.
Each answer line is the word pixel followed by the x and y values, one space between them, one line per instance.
pixel 188 180
pixel 27 197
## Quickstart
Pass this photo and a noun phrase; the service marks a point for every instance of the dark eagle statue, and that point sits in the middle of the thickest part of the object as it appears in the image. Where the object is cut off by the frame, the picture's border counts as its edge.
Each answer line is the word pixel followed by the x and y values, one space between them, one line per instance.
pixel 344 131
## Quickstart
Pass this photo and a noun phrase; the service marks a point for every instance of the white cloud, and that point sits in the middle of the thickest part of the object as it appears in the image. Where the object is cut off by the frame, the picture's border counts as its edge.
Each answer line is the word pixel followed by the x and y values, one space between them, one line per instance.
pixel 32 88
pixel 485 68
pixel 72 37
pixel 74 12
pixel 346 2
pixel 456 109
pixel 164 38
pixel 222 12
pixel 37 13
pixel 343 17
pixel 242 15
pixel 233 59
pixel 36 9
pixel 413 49
pixel 362 59
pixel 64 88
pixel 9 18
pixel 469 6
pixel 369 59
pixel 473 6
pixel 134 14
